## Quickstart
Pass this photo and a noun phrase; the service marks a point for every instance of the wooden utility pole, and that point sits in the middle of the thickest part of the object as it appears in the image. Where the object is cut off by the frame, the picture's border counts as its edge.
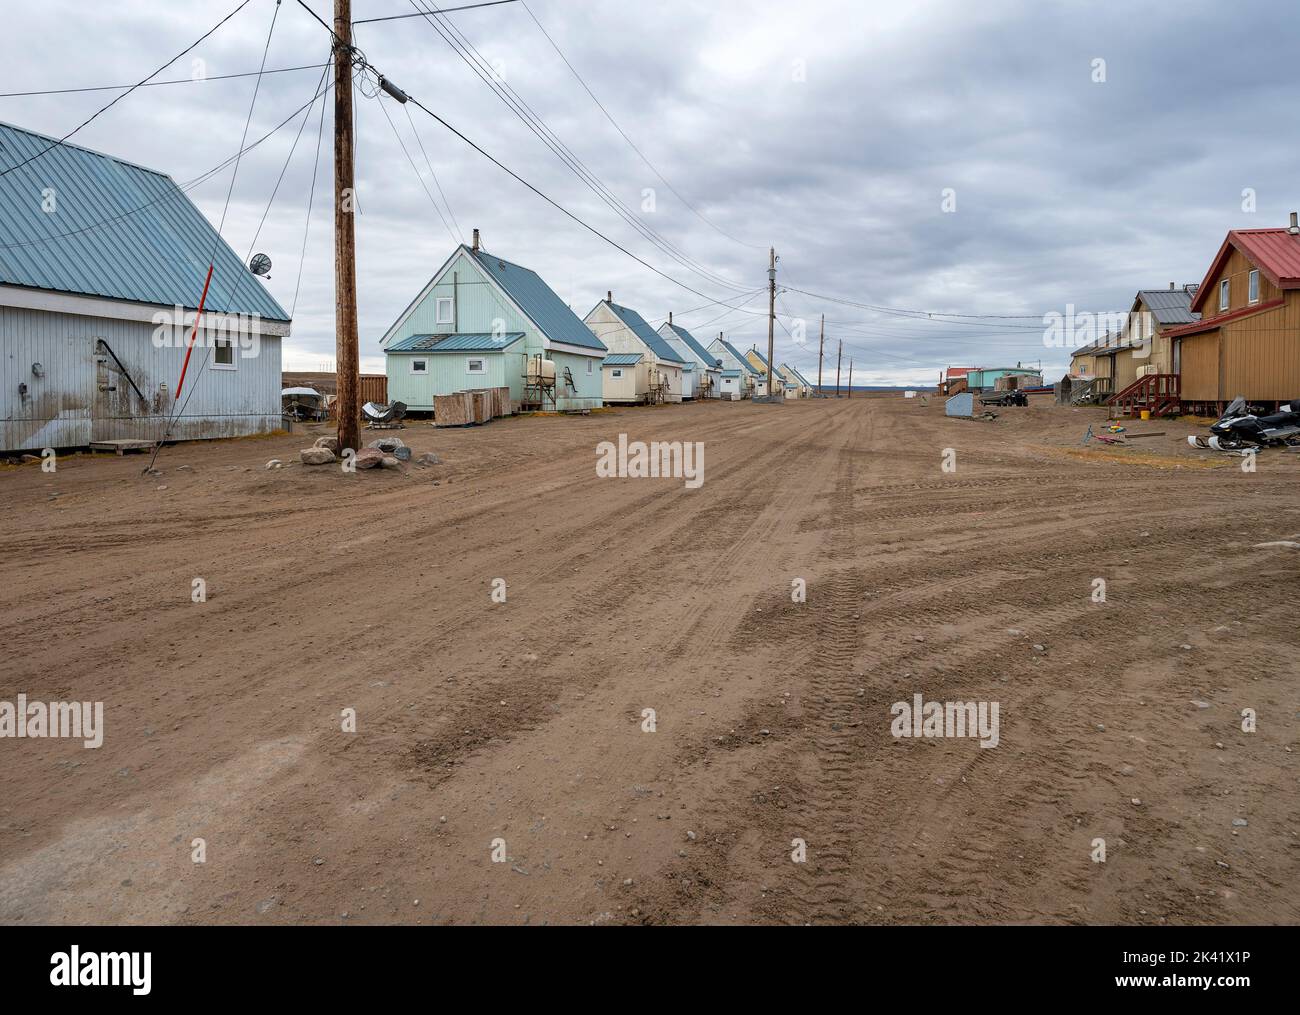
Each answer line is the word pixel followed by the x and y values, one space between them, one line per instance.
pixel 850 376
pixel 771 315
pixel 839 358
pixel 345 252
pixel 821 346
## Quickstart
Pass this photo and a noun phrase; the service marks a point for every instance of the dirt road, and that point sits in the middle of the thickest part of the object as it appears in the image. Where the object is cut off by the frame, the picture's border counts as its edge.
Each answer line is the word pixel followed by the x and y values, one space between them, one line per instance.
pixel 523 721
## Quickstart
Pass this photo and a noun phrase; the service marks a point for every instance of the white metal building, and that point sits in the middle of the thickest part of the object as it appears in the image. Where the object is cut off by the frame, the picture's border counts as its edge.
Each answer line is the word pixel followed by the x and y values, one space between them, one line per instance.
pixel 102 264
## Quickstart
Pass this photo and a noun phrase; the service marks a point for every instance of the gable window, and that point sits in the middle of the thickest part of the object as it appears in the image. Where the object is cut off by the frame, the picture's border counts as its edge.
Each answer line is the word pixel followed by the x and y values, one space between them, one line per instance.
pixel 1223 295
pixel 443 310
pixel 419 366
pixel 223 354
pixel 476 365
pixel 1252 286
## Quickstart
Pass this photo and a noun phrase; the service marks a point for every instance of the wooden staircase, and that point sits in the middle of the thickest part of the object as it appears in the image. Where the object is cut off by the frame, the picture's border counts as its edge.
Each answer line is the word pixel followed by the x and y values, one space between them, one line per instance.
pixel 1158 393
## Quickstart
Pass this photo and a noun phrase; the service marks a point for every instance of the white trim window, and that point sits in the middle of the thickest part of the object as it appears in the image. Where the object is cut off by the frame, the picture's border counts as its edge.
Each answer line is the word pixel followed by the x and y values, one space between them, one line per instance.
pixel 615 372
pixel 419 365
pixel 442 310
pixel 223 354
pixel 1223 294
pixel 475 365
pixel 590 366
pixel 1252 286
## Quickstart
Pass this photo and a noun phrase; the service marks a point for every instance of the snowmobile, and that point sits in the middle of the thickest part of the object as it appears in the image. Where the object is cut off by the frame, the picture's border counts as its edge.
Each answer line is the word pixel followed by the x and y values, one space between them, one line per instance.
pixel 1238 429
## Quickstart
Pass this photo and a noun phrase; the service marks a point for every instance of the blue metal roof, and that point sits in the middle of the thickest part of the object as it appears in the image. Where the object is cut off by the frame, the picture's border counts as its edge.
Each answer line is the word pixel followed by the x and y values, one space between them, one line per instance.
pixel 744 363
pixel 460 342
pixel 705 357
pixel 538 300
pixel 652 339
pixel 731 373
pixel 622 359
pixel 118 230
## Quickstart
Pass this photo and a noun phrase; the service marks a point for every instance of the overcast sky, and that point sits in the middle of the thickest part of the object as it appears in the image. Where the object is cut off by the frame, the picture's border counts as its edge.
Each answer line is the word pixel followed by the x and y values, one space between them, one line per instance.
pixel 830 130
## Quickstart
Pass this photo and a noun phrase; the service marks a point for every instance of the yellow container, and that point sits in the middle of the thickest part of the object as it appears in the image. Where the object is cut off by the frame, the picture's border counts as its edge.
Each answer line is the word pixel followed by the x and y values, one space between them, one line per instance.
pixel 1146 413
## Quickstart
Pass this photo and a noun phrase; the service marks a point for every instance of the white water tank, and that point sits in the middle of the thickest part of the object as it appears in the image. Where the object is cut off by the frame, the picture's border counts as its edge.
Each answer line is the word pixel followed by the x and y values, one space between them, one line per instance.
pixel 541 371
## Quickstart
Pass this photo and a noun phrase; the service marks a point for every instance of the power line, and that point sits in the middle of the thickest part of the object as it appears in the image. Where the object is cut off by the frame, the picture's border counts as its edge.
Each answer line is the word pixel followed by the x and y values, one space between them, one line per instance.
pixel 311 198
pixel 420 141
pixel 444 10
pixel 609 116
pixel 155 84
pixel 171 194
pixel 521 109
pixel 384 109
pixel 118 98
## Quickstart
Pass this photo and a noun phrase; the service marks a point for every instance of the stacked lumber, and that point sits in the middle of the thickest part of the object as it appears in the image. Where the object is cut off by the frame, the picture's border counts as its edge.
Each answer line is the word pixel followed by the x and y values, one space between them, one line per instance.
pixel 454 410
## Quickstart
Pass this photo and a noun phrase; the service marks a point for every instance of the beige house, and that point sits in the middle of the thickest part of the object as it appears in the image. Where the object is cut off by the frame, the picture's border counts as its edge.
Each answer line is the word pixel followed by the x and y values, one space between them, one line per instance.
pixel 659 372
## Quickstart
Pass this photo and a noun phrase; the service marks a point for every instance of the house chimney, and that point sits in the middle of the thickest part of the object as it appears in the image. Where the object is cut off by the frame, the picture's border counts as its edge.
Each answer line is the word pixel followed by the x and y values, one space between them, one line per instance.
pixel 670 317
pixel 1294 228
pixel 609 295
pixel 476 241
pixel 1171 287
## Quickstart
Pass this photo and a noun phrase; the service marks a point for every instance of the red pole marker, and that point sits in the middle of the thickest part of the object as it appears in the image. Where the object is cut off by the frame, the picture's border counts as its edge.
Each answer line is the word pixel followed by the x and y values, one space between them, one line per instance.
pixel 189 346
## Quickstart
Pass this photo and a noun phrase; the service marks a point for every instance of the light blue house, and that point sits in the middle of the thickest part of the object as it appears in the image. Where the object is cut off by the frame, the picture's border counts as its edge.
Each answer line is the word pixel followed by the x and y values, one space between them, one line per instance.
pixel 706 376
pixel 483 322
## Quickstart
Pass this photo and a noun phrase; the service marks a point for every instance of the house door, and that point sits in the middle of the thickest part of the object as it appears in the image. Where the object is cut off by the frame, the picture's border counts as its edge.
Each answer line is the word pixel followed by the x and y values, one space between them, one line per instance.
pixel 1178 356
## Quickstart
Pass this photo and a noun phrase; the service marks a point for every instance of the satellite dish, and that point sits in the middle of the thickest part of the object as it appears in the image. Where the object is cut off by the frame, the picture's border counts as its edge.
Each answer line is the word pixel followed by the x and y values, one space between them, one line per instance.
pixel 260 265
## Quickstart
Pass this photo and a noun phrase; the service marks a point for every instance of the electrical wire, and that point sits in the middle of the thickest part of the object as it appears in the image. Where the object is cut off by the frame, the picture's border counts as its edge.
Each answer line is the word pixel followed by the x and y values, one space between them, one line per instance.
pixel 521 109
pixel 117 98
pixel 609 116
pixel 155 84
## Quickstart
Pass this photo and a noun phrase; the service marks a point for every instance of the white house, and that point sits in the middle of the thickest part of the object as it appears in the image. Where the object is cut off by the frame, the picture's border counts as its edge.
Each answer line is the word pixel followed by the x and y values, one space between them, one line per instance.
pixel 739 376
pixel 707 382
pixel 625 331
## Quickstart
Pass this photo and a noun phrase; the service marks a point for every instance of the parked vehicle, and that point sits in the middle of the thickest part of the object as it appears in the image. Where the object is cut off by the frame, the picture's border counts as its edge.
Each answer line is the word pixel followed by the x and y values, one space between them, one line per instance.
pixel 1239 429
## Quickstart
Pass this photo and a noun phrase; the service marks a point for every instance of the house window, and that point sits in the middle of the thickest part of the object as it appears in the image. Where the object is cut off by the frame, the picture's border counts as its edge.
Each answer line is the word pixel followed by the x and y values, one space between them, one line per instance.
pixel 476 365
pixel 590 363
pixel 1252 287
pixel 443 310
pixel 223 354
pixel 616 372
pixel 419 366
pixel 1223 295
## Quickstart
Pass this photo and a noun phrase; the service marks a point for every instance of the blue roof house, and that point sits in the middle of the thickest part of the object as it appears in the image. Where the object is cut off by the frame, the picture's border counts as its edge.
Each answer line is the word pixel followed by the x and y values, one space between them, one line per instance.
pixel 739 376
pixel 483 322
pixel 703 375
pixel 659 375
pixel 102 265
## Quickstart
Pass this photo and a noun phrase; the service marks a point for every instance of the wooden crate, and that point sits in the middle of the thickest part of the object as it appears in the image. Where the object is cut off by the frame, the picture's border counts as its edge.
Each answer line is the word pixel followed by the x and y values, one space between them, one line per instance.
pixel 482 403
pixel 453 410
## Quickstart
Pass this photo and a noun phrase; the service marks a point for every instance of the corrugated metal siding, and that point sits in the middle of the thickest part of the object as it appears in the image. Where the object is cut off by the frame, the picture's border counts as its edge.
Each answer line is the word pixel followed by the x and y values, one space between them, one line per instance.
pixel 84 397
pixel 117 230
pixel 589 393
pixel 538 301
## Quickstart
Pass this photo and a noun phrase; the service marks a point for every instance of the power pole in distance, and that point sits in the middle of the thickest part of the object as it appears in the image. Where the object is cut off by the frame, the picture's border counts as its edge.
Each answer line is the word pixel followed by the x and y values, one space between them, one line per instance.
pixel 839 358
pixel 771 314
pixel 345 253
pixel 850 376
pixel 821 346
